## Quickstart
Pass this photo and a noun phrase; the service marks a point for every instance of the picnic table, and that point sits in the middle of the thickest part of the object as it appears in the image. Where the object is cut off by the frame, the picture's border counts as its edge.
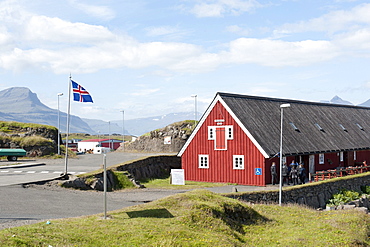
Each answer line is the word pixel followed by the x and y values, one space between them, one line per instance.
pixel 340 172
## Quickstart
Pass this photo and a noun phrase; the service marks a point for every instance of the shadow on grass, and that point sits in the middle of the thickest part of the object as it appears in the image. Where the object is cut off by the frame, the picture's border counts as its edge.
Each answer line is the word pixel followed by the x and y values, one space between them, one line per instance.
pixel 150 213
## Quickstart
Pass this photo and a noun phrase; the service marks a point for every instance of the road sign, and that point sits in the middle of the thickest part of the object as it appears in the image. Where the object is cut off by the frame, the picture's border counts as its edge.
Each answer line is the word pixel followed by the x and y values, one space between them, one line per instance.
pixel 257 171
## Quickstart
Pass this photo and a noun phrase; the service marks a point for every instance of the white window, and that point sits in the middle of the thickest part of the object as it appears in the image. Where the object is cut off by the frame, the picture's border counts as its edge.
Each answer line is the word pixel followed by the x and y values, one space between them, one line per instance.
pixel 203 161
pixel 341 156
pixel 211 133
pixel 229 132
pixel 354 155
pixel 321 159
pixel 238 162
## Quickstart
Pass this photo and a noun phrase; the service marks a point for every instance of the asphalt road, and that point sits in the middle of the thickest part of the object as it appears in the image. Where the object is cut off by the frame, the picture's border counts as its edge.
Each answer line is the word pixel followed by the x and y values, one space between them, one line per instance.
pixel 31 170
pixel 28 204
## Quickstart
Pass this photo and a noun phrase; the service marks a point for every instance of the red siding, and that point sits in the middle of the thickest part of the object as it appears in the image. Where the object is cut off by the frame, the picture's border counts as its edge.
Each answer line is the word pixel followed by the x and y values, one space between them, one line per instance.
pixel 221 161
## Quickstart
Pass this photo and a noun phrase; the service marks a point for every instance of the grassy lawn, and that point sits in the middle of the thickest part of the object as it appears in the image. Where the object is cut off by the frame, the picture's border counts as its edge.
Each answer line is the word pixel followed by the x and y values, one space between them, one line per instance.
pixel 164 183
pixel 199 218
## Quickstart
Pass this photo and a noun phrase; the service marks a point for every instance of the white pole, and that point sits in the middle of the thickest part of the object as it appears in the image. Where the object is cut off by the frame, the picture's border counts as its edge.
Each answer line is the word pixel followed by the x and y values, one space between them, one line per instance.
pixel 123 130
pixel 105 185
pixel 109 135
pixel 281 150
pixel 68 122
pixel 195 108
pixel 59 94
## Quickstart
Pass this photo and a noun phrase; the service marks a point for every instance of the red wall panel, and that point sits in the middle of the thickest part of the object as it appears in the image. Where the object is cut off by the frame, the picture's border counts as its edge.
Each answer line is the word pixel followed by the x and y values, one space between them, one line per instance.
pixel 221 161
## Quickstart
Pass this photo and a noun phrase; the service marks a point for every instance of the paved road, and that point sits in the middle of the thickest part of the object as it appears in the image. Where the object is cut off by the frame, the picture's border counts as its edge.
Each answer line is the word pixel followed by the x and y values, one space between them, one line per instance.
pixel 28 204
pixel 31 170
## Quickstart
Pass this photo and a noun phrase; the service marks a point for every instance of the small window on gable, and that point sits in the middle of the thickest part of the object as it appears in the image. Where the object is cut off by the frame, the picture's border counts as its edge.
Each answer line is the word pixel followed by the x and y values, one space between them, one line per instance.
pixel 319 127
pixel 343 128
pixel 229 133
pixel 203 161
pixel 358 125
pixel 238 162
pixel 211 132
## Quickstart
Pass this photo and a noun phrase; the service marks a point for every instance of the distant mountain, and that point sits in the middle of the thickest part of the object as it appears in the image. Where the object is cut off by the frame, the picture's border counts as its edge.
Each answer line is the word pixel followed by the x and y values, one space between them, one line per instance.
pixel 139 126
pixel 365 104
pixel 22 105
pixel 337 100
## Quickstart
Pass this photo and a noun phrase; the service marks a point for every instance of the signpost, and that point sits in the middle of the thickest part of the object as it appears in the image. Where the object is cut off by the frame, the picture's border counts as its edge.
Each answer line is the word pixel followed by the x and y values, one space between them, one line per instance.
pixel 177 176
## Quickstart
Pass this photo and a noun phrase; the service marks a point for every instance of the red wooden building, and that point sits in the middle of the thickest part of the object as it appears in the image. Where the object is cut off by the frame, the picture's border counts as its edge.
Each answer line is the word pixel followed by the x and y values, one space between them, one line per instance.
pixel 238 138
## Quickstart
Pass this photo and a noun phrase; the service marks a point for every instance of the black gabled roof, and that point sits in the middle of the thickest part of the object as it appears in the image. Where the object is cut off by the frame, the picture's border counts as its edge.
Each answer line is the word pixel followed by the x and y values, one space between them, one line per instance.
pixel 261 117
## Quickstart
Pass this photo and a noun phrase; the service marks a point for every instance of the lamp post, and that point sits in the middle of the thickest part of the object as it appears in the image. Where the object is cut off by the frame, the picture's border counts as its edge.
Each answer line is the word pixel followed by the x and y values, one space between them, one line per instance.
pixel 282 106
pixel 195 110
pixel 109 134
pixel 59 94
pixel 123 130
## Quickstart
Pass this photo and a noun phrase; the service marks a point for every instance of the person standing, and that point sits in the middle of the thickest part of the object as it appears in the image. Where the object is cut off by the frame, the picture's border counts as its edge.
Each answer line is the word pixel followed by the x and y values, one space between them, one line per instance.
pixel 285 174
pixel 302 173
pixel 273 173
pixel 294 175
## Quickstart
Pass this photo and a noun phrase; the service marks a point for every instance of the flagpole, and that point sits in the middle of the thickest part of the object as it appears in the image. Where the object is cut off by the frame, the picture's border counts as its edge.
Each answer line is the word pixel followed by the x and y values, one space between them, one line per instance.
pixel 68 123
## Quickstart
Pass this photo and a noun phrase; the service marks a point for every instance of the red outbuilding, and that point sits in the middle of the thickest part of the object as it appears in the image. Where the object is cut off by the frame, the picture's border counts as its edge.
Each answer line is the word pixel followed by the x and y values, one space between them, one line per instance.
pixel 238 138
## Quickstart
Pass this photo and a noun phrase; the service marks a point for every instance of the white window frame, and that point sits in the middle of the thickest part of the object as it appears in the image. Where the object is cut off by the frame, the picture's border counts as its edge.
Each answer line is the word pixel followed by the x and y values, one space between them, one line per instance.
pixel 354 155
pixel 203 161
pixel 229 132
pixel 211 132
pixel 321 159
pixel 341 156
pixel 237 159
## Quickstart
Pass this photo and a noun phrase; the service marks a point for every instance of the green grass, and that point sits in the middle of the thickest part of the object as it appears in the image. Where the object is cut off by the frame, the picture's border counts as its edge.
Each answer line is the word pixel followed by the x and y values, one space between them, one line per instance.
pixel 164 183
pixel 199 218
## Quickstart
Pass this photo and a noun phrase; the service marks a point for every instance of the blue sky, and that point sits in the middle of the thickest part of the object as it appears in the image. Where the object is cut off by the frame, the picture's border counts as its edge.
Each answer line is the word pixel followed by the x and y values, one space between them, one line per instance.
pixel 148 57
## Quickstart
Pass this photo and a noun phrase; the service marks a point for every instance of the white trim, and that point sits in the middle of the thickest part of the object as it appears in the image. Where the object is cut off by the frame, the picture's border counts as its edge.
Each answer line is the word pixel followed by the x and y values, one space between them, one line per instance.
pixel 205 161
pixel 205 116
pixel 263 152
pixel 237 158
pixel 200 123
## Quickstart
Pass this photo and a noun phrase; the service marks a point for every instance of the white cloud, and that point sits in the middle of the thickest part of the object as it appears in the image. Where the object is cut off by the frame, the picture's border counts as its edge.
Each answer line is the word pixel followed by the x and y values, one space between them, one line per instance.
pixel 145 92
pixel 42 28
pixel 278 53
pixel 102 12
pixel 238 30
pixel 159 31
pixel 335 21
pixel 219 8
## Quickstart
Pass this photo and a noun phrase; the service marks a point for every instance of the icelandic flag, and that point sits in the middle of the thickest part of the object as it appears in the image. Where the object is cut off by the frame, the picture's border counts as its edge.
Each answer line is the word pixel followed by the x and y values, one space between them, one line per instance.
pixel 80 94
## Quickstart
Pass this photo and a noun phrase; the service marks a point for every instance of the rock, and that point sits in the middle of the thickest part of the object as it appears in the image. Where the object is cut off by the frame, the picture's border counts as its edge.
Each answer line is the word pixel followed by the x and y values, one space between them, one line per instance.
pixel 362 209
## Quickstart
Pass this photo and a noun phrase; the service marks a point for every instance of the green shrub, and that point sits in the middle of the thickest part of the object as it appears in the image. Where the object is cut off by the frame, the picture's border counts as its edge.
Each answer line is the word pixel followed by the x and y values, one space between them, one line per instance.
pixel 344 196
pixel 365 189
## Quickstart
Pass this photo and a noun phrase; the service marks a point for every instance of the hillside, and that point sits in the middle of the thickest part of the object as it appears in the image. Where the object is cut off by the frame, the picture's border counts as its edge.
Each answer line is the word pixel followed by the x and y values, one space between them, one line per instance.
pixel 36 139
pixel 169 139
pixel 199 218
pixel 22 105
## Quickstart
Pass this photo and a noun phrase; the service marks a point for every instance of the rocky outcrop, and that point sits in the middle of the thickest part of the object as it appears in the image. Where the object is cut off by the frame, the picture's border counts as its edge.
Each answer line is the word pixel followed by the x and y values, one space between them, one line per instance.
pixel 166 140
pixel 37 140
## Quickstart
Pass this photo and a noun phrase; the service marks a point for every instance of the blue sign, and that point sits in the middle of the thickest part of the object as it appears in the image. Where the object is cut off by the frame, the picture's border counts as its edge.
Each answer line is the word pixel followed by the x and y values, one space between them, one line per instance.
pixel 257 171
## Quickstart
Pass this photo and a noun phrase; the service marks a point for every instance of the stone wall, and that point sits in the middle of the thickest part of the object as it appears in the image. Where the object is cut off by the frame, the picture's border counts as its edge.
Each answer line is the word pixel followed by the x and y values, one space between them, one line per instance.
pixel 147 168
pixel 314 194
pixel 152 167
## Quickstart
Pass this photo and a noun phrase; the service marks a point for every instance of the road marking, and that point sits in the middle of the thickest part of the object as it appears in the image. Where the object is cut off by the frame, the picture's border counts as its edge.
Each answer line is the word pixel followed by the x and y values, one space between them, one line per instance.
pixel 31 172
pixel 4 171
pixel 17 171
pixel 44 172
